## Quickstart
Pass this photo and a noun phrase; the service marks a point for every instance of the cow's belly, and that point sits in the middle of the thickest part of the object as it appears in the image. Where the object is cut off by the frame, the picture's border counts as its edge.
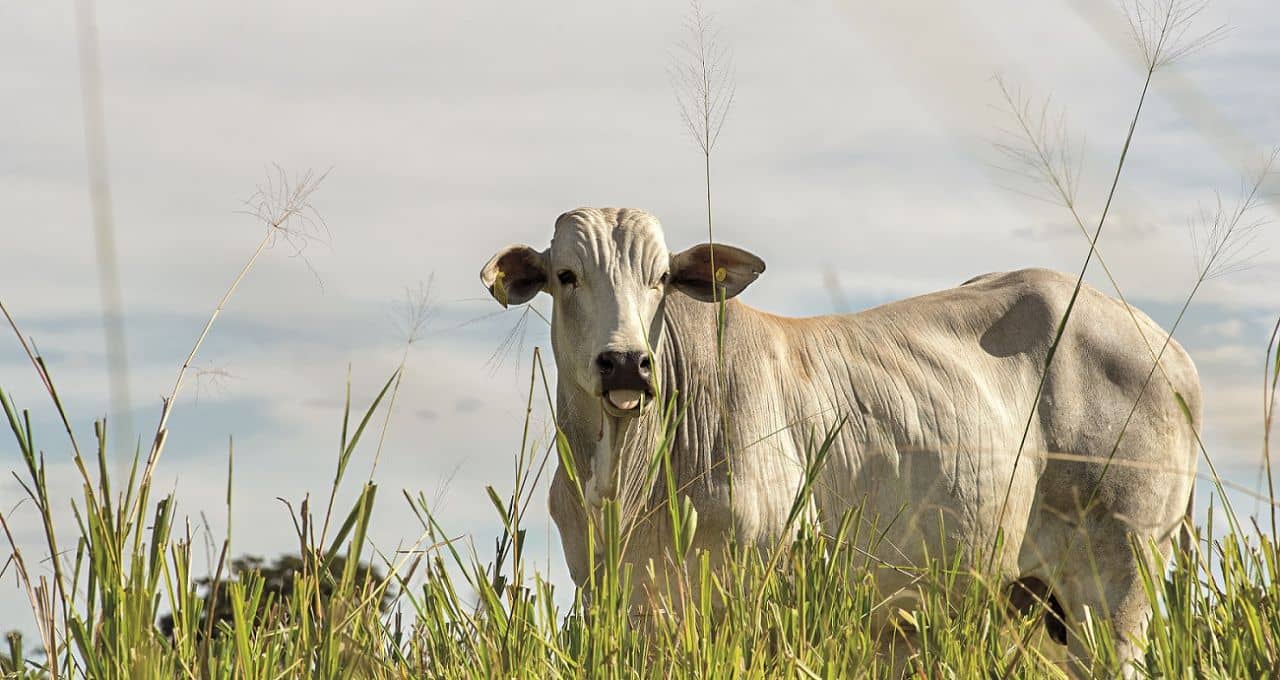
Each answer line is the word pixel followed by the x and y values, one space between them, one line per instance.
pixel 916 507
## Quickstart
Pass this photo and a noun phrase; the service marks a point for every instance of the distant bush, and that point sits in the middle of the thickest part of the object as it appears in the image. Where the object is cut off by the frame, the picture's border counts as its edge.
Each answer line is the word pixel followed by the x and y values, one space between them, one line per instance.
pixel 278 580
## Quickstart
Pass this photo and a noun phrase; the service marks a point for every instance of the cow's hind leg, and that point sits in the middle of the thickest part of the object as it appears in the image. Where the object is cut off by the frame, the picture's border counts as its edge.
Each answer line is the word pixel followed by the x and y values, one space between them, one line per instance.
pixel 1108 590
pixel 1031 594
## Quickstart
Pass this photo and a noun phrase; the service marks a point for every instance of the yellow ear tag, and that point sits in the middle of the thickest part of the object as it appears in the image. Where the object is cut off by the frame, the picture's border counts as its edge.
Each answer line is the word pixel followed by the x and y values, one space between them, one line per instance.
pixel 721 274
pixel 499 289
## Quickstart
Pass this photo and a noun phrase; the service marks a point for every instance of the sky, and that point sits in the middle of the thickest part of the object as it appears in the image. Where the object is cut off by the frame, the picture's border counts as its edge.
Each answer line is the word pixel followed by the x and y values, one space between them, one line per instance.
pixel 858 157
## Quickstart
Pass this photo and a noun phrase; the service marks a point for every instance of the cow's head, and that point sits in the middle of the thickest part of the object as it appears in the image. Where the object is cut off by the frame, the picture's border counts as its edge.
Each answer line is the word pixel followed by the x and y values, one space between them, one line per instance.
pixel 609 273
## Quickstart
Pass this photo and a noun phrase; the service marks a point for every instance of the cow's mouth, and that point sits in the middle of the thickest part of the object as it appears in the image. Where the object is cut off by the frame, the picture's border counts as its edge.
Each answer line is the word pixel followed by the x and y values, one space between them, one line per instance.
pixel 627 402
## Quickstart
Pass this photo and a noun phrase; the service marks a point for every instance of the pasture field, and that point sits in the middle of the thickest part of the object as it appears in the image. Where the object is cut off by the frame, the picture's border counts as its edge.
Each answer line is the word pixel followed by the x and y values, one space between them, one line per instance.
pixel 804 612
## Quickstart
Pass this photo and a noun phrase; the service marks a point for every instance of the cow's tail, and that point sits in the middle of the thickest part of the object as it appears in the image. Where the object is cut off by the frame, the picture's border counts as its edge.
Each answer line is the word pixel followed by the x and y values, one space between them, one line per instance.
pixel 1187 538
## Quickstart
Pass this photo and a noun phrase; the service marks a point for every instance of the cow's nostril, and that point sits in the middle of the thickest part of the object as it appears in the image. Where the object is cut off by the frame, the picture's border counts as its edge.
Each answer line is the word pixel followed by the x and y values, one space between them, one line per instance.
pixel 605 364
pixel 645 364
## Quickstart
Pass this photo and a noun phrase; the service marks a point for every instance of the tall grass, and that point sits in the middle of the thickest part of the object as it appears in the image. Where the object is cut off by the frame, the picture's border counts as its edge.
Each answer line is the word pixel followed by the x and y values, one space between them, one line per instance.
pixel 802 612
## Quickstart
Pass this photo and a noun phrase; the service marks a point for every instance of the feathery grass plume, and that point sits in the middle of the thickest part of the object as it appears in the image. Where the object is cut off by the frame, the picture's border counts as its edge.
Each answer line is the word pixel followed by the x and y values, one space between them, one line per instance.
pixel 512 343
pixel 1222 238
pixel 417 310
pixel 419 307
pixel 702 78
pixel 1164 30
pixel 283 204
pixel 701 75
pixel 211 377
pixel 1039 149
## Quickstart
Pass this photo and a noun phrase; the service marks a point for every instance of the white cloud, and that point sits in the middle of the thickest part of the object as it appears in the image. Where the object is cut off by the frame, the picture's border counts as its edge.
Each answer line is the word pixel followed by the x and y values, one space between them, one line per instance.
pixel 1229 329
pixel 1235 355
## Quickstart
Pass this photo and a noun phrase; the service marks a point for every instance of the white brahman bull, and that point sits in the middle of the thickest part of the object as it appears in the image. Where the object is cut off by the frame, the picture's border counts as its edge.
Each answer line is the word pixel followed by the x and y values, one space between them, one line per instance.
pixel 933 395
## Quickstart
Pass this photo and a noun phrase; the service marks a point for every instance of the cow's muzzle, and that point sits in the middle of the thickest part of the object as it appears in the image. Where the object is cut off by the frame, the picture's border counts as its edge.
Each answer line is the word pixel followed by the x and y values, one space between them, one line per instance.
pixel 626 380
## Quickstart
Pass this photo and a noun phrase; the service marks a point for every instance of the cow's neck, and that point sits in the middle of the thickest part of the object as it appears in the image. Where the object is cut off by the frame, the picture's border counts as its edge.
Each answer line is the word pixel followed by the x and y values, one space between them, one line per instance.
pixel 613 454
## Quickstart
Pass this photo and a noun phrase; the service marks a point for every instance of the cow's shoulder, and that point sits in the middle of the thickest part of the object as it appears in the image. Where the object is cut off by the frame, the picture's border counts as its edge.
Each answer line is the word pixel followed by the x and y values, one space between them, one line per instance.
pixel 1029 294
pixel 1033 278
pixel 982 277
pixel 1015 312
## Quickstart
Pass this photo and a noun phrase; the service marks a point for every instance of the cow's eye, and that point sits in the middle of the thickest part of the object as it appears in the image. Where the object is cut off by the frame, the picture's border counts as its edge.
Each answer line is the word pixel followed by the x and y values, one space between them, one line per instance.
pixel 662 280
pixel 567 278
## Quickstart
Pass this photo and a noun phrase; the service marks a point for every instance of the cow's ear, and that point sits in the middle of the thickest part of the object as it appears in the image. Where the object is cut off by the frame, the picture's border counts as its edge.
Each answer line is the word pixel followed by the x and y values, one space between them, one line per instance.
pixel 693 274
pixel 515 274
